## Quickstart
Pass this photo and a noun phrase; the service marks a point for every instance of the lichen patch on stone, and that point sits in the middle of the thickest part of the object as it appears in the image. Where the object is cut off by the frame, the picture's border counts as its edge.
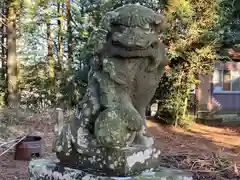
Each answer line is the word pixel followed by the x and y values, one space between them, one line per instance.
pixel 139 157
pixel 157 154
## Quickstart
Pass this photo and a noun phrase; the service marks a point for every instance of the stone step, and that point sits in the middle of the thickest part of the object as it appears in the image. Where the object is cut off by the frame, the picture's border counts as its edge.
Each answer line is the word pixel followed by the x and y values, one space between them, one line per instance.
pixel 43 169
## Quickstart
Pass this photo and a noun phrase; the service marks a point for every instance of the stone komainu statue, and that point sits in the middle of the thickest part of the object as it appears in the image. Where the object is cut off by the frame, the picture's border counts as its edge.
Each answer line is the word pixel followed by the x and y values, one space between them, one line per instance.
pixel 125 68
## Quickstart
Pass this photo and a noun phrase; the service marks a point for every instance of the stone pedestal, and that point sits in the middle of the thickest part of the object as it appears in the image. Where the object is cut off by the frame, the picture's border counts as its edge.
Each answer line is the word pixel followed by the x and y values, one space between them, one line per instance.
pixel 42 169
pixel 127 161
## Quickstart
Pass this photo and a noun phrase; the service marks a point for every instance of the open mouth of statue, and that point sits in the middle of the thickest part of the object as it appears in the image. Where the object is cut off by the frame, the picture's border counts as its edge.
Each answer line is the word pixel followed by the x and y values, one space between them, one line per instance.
pixel 127 52
pixel 133 46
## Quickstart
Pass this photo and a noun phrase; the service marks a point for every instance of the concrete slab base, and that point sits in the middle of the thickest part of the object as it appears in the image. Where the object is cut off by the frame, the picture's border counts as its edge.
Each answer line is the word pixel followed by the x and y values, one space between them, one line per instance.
pixel 43 169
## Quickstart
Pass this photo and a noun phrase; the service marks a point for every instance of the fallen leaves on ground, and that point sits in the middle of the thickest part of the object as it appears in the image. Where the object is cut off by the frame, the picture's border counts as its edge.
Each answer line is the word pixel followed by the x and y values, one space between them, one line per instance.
pixel 208 152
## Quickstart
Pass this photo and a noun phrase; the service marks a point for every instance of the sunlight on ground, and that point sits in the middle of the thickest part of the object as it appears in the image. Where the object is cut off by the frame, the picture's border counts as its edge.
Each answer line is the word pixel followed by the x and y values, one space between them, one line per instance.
pixel 198 136
pixel 223 136
pixel 220 136
pixel 149 123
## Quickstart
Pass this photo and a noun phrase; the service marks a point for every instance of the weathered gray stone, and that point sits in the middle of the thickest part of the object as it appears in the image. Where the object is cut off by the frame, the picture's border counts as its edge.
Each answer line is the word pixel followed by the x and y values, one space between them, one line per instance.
pixel 49 170
pixel 109 134
pixel 127 62
pixel 113 161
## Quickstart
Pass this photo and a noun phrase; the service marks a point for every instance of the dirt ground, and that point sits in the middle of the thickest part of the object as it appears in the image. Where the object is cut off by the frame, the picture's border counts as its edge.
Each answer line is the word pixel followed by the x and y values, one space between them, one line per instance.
pixel 208 152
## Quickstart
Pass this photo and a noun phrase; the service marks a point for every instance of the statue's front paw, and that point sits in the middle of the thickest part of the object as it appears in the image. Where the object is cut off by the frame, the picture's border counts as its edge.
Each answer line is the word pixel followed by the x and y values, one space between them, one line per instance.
pixel 144 138
pixel 134 120
pixel 111 129
pixel 147 141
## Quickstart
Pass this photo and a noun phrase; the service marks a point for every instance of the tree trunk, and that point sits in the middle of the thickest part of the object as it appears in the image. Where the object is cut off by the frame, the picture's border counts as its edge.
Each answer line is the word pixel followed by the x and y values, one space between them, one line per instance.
pixel 12 69
pixel 69 83
pixel 178 100
pixel 3 47
pixel 186 103
pixel 51 60
pixel 60 38
pixel 69 30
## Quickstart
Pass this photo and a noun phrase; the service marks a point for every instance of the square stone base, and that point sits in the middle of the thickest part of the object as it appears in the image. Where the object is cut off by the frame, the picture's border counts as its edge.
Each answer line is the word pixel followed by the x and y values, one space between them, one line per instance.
pixel 42 169
pixel 127 161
